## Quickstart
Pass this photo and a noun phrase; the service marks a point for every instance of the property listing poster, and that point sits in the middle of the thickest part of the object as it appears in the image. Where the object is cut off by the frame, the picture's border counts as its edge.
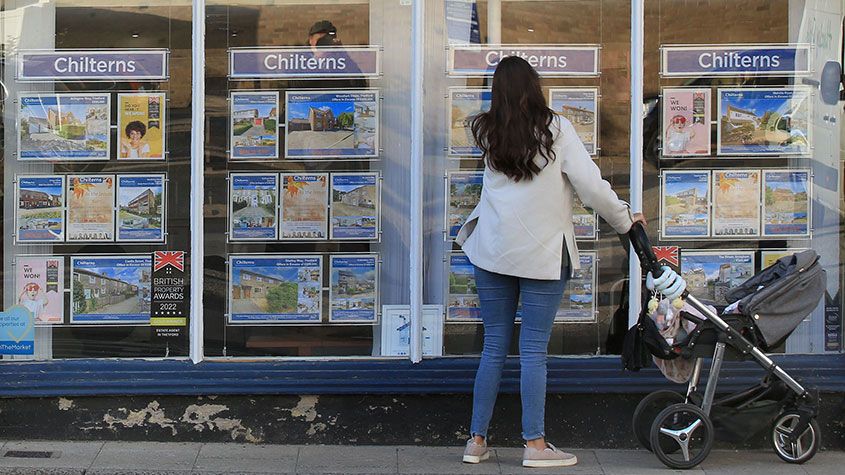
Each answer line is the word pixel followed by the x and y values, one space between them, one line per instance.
pixel 140 208
pixel 786 203
pixel 354 286
pixel 40 287
pixel 685 204
pixel 110 289
pixel 464 106
pixel 354 206
pixel 580 107
pixel 304 206
pixel 254 126
pixel 332 124
pixel 579 303
pixel 252 207
pixel 584 220
pixel 686 122
pixel 764 121
pixel 770 256
pixel 64 126
pixel 464 193
pixel 90 207
pixel 463 305
pixel 40 212
pixel 396 330
pixel 275 289
pixel 710 274
pixel 736 203
pixel 140 126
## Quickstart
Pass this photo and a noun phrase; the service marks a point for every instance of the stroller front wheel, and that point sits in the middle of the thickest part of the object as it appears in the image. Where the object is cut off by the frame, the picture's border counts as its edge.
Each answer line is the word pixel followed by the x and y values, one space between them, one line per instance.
pixel 687 429
pixel 803 447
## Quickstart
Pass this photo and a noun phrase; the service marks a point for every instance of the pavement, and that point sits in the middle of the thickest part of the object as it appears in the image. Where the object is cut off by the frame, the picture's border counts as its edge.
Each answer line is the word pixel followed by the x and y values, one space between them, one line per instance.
pixel 182 458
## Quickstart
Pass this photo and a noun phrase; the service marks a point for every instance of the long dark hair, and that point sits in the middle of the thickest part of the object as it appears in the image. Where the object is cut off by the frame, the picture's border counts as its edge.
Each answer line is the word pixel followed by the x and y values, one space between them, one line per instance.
pixel 517 126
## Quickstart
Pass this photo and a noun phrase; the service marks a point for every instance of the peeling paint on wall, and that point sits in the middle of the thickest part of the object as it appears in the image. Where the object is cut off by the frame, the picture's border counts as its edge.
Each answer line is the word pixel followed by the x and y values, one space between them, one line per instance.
pixel 201 417
pixel 64 404
pixel 152 414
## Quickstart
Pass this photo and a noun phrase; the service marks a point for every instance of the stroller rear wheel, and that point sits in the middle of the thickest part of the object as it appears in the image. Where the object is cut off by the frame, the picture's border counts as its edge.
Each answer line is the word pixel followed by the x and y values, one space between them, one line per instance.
pixel 647 410
pixel 687 429
pixel 803 447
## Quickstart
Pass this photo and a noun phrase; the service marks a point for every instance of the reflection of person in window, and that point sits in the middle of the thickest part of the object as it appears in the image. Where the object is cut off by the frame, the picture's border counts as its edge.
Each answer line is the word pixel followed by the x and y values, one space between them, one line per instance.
pixel 133 144
pixel 323 34
pixel 32 300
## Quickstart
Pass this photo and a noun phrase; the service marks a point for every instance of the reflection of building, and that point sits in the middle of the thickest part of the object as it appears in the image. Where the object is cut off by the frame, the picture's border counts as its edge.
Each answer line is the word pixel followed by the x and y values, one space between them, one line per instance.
pixel 253 198
pixel 30 199
pixel 245 114
pixel 254 284
pixel 358 197
pixel 144 203
pixel 349 283
pixel 737 115
pixel 577 115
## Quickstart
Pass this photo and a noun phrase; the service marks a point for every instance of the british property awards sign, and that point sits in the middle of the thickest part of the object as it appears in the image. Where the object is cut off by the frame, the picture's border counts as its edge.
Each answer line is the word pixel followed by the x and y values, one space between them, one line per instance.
pixel 733 60
pixel 548 60
pixel 93 65
pixel 304 62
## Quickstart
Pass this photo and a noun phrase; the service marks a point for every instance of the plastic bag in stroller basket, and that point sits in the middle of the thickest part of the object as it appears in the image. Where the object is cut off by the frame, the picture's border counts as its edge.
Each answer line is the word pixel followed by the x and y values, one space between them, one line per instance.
pixel 675 329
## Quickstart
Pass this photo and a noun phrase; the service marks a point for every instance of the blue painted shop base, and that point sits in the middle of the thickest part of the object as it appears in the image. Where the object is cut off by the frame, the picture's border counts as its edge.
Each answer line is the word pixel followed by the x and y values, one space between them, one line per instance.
pixel 387 402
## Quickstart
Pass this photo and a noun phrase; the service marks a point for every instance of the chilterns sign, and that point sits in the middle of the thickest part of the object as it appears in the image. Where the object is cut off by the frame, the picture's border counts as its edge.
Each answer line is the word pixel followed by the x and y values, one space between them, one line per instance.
pixel 95 65
pixel 306 62
pixel 548 60
pixel 733 60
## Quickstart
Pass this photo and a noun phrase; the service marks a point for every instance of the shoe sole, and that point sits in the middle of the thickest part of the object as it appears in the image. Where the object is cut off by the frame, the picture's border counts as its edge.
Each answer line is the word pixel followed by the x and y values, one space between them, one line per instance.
pixel 476 458
pixel 549 463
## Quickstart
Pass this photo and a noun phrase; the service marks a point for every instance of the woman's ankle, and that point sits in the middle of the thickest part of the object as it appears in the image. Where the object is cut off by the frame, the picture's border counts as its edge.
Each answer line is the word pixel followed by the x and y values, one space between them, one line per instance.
pixel 539 444
pixel 478 439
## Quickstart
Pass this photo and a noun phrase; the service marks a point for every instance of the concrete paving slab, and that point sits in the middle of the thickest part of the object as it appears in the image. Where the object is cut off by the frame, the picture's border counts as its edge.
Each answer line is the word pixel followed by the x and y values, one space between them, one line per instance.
pixel 314 459
pixel 746 462
pixel 71 455
pixel 825 462
pixel 510 462
pixel 635 462
pixel 147 456
pixel 425 460
pixel 238 458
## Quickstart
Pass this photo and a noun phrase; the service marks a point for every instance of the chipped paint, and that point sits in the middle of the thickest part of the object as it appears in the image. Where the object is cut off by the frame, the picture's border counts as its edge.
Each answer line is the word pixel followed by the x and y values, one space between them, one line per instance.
pixel 318 427
pixel 65 404
pixel 201 417
pixel 152 414
pixel 306 408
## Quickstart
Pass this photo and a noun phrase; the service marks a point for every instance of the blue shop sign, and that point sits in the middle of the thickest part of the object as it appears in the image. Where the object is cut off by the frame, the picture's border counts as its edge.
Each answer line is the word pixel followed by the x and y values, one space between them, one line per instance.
pixel 548 60
pixel 306 62
pixel 17 331
pixel 93 65
pixel 735 60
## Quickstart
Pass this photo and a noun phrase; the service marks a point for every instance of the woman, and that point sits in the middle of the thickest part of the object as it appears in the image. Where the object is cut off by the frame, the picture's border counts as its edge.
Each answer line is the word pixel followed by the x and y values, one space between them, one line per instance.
pixel 521 240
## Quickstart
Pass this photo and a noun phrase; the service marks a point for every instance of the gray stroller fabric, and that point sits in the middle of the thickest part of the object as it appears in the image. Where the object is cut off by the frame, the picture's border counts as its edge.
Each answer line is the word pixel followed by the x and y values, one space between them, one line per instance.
pixel 782 295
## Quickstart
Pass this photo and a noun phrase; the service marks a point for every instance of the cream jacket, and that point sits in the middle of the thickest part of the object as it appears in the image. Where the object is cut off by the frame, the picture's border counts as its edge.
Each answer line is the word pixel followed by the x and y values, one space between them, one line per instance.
pixel 518 228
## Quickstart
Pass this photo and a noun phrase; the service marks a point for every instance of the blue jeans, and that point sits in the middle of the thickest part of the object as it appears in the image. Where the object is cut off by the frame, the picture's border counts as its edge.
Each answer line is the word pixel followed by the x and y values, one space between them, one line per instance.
pixel 498 296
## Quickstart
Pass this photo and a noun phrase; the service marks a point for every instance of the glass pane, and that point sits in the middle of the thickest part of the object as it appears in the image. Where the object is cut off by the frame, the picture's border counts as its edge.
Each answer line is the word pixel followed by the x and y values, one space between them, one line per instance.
pixel 96 171
pixel 306 175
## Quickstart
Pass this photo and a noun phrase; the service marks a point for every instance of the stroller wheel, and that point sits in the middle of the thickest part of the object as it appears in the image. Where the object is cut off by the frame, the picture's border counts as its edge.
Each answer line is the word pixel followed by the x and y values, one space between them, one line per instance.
pixel 805 445
pixel 647 410
pixel 688 430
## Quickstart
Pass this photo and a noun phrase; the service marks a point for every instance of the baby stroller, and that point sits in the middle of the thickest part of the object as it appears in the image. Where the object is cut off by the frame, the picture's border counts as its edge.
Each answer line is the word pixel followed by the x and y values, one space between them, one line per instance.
pixel 678 428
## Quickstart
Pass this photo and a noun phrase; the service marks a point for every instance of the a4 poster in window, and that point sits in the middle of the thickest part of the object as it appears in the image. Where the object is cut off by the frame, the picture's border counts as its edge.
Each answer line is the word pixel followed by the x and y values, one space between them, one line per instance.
pixel 686 122
pixel 786 203
pixel 736 203
pixel 685 204
pixel 462 296
pixel 90 208
pixel 465 104
pixel 354 212
pixel 254 125
pixel 580 107
pixel 67 126
pixel 40 287
pixel 304 206
pixel 353 291
pixel 769 256
pixel 339 124
pixel 252 206
pixel 764 121
pixel 578 304
pixel 141 121
pixel 711 274
pixel 267 289
pixel 40 208
pixel 141 208
pixel 584 220
pixel 110 289
pixel 464 189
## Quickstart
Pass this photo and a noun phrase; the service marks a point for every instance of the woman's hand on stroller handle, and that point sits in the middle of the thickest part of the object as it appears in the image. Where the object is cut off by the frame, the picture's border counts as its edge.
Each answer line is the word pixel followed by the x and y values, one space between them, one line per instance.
pixel 668 283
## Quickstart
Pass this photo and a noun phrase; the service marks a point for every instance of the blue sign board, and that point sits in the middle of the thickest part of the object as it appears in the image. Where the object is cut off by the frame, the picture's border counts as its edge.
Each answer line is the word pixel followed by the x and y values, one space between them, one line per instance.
pixel 548 60
pixel 95 65
pixel 307 62
pixel 17 331
pixel 746 60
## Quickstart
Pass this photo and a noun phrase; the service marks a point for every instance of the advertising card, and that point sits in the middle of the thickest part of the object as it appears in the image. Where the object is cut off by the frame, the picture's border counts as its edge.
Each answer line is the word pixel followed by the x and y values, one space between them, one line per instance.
pixel 140 208
pixel 90 207
pixel 764 121
pixel 584 220
pixel 464 106
pixel 686 122
pixel 396 330
pixel 254 125
pixel 770 256
pixel 463 305
pixel 275 289
pixel 110 289
pixel 304 203
pixel 40 287
pixel 40 213
pixel 141 126
pixel 332 124
pixel 464 194
pixel 252 206
pixel 354 206
pixel 736 203
pixel 580 106
pixel 786 203
pixel 710 274
pixel 64 126
pixel 685 204
pixel 354 288
pixel 579 303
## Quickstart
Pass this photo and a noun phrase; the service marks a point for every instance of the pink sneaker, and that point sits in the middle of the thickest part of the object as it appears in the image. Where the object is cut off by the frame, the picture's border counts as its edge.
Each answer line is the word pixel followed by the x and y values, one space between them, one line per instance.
pixel 475 453
pixel 549 457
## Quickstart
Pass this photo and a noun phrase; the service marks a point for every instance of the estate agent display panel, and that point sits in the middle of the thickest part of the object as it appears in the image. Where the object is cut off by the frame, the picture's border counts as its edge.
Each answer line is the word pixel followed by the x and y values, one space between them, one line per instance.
pixel 96 178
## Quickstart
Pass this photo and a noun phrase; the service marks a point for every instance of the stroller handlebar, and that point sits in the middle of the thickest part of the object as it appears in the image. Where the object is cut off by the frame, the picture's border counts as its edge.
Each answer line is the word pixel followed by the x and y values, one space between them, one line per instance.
pixel 642 246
